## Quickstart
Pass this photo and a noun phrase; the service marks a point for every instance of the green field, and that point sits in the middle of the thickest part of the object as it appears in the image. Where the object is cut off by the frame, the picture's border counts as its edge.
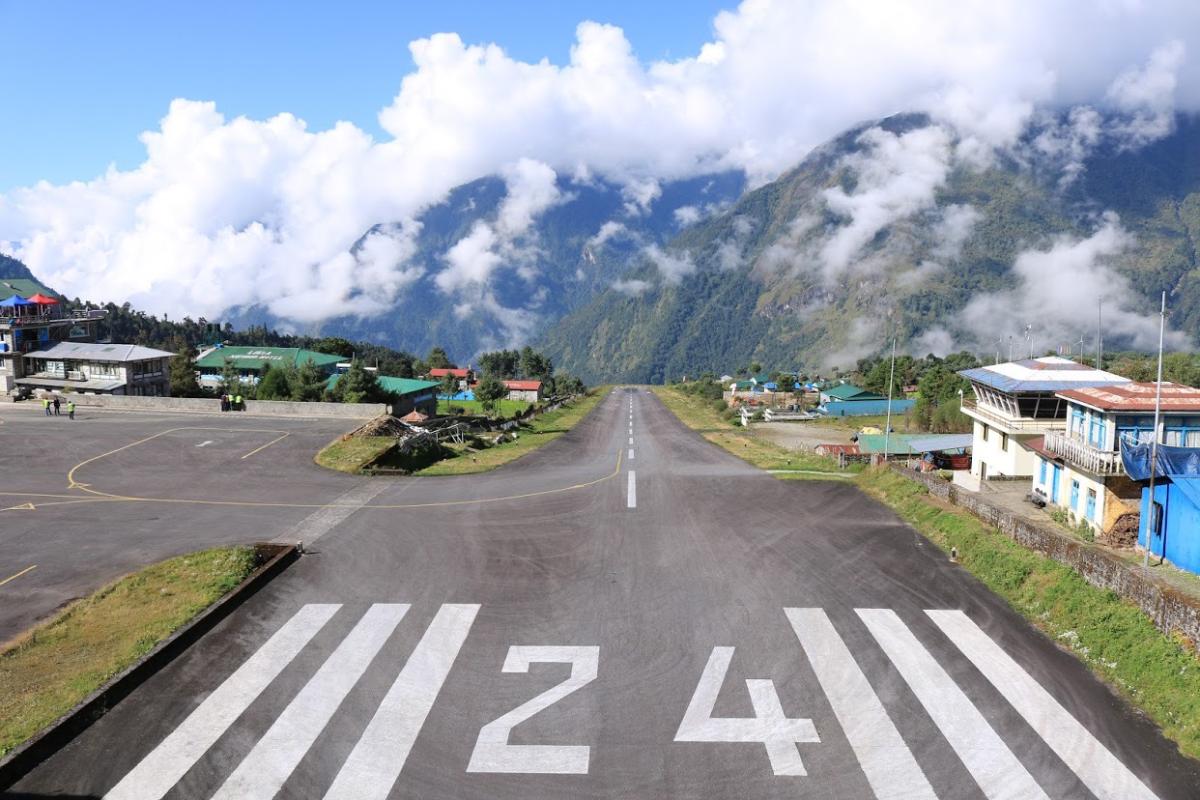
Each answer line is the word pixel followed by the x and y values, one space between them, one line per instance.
pixel 504 408
pixel 47 671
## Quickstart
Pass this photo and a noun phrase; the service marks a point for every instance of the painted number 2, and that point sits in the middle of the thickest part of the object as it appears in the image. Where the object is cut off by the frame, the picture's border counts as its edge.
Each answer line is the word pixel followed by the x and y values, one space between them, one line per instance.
pixel 768 726
pixel 492 751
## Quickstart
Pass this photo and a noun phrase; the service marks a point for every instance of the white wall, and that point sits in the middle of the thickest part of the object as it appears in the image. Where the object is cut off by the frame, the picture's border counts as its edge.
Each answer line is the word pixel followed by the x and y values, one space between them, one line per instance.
pixel 1003 455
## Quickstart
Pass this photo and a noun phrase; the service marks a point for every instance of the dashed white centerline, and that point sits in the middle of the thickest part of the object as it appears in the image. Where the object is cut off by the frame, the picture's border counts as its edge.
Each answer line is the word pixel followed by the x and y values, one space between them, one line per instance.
pixel 632 489
pixel 631 440
pixel 631 454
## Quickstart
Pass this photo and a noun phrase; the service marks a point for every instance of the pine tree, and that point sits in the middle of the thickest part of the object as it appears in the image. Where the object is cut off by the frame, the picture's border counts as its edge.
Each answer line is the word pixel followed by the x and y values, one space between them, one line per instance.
pixel 183 370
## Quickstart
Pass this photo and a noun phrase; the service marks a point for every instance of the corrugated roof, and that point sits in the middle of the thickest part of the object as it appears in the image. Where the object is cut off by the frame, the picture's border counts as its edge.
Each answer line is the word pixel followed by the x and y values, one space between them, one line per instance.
pixel 901 443
pixel 89 351
pixel 523 386
pixel 1136 397
pixel 256 357
pixel 441 373
pixel 398 386
pixel 1046 374
pixel 848 391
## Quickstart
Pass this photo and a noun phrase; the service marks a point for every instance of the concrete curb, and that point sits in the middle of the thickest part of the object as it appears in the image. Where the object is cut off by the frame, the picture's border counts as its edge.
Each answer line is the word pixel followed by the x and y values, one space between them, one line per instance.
pixel 22 760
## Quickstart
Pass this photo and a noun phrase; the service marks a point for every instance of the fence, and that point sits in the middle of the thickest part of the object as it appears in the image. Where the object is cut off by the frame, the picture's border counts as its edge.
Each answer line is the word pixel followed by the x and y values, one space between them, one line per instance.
pixel 1169 609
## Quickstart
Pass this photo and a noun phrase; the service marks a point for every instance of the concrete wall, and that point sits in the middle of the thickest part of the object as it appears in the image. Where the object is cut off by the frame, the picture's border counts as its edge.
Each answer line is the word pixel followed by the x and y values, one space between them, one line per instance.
pixel 1002 453
pixel 277 408
pixel 1170 610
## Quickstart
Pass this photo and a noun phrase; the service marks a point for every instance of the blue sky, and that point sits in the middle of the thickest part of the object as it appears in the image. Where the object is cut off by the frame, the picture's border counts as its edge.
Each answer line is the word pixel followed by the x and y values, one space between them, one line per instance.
pixel 80 80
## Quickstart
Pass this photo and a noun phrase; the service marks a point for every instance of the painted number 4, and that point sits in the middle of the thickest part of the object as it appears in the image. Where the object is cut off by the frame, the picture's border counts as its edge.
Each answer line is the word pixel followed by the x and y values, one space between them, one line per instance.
pixel 768 726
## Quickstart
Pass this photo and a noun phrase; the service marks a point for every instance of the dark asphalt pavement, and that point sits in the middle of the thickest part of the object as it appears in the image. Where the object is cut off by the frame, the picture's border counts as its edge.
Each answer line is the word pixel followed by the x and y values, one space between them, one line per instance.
pixel 700 630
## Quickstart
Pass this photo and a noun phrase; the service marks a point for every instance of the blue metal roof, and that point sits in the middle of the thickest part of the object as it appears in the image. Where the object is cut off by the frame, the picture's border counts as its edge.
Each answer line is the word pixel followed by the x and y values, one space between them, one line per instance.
pixel 1004 383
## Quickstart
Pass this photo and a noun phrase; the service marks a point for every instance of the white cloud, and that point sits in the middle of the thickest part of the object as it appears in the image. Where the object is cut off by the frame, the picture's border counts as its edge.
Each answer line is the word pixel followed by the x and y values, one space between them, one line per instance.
pixel 232 212
pixel 609 230
pixel 687 215
pixel 673 267
pixel 951 232
pixel 632 287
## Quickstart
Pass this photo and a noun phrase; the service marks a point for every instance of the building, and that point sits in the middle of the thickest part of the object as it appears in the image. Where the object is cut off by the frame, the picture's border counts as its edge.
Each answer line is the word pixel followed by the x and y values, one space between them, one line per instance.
pixel 465 376
pixel 1169 523
pixel 92 368
pixel 27 325
pixel 1079 468
pixel 406 394
pixel 251 362
pixel 1018 401
pixel 848 400
pixel 526 391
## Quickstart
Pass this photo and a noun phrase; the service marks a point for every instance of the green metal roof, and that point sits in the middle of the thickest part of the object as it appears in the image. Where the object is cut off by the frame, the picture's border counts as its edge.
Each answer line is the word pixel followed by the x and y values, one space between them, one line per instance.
pixel 253 358
pixel 848 391
pixel 396 386
pixel 24 287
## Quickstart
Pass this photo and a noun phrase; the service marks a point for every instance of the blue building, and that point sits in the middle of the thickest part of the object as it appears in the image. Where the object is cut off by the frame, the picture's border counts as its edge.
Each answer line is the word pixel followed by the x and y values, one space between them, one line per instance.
pixel 1170 521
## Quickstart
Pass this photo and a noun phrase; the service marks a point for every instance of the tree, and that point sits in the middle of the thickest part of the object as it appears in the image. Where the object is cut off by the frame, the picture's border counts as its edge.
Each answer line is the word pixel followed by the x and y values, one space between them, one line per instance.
pixel 231 379
pixel 357 385
pixel 334 346
pixel 489 390
pixel 449 385
pixel 274 384
pixel 183 370
pixel 755 367
pixel 502 364
pixel 310 383
pixel 535 365
pixel 569 384
pixel 437 359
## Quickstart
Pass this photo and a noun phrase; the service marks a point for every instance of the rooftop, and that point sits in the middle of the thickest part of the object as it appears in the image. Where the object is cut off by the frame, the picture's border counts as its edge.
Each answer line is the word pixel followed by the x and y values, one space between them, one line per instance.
pixel 848 391
pixel 523 386
pixel 257 357
pixel 87 351
pixel 1136 397
pixel 1045 374
pixel 397 386
pixel 457 372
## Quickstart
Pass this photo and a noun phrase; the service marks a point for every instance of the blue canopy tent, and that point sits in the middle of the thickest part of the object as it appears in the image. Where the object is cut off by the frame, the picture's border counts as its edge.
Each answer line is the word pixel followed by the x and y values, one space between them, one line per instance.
pixel 16 300
pixel 1173 530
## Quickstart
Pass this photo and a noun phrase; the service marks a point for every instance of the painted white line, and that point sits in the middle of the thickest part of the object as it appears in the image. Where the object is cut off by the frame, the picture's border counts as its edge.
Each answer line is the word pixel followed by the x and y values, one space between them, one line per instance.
pixel 375 763
pixel 154 776
pixel 993 766
pixel 323 520
pixel 632 502
pixel 267 766
pixel 631 454
pixel 631 440
pixel 205 443
pixel 1095 765
pixel 886 761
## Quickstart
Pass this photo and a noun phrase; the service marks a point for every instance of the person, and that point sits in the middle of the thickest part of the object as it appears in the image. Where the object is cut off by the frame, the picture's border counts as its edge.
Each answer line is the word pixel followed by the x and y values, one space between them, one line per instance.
pixel 224 402
pixel 237 404
pixel 57 403
pixel 46 405
pixel 70 409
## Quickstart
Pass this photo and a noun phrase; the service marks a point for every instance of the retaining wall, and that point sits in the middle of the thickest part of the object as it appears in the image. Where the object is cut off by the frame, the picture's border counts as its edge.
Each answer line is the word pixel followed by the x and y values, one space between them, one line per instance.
pixel 276 408
pixel 1171 610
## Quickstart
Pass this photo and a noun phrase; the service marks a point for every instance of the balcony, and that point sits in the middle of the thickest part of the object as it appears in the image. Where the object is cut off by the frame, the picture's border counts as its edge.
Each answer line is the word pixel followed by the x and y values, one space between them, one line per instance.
pixel 1002 420
pixel 1104 463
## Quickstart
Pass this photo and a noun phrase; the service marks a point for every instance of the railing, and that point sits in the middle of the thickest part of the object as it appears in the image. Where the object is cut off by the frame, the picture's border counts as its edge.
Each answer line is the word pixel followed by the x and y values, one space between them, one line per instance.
pixel 1001 419
pixel 1085 456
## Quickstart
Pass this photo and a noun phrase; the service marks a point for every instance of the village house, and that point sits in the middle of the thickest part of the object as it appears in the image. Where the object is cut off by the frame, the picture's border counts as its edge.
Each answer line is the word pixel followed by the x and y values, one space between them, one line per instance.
pixel 93 368
pixel 33 318
pixel 465 376
pixel 251 362
pixel 525 391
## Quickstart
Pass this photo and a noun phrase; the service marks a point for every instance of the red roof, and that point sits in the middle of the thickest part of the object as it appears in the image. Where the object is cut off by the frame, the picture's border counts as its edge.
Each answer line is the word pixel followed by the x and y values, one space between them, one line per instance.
pixel 414 416
pixel 834 449
pixel 1136 397
pixel 441 373
pixel 523 386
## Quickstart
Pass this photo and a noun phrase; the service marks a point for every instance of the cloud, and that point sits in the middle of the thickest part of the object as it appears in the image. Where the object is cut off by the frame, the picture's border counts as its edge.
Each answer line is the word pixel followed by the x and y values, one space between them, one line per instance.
pixel 632 287
pixel 951 232
pixel 687 215
pixel 609 230
pixel 1058 292
pixel 673 267
pixel 237 212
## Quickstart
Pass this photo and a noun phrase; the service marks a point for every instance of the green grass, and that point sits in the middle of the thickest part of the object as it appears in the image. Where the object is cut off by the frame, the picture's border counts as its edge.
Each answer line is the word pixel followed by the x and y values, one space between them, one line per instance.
pixel 504 408
pixel 350 455
pixel 543 429
pixel 1158 673
pixel 699 415
pixel 47 671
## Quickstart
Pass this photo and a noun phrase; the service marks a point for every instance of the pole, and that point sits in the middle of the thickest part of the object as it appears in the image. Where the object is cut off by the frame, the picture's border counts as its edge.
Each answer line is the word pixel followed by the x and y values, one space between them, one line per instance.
pixel 1162 322
pixel 887 429
pixel 1100 334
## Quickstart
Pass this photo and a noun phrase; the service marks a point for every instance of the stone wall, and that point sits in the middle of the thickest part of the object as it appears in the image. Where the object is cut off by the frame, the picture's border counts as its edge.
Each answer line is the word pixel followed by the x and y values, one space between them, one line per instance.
pixel 1169 609
pixel 272 408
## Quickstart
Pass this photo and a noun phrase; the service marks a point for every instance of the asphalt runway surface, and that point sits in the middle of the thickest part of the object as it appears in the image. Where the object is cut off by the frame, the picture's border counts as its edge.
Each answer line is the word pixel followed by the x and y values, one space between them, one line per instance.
pixel 629 612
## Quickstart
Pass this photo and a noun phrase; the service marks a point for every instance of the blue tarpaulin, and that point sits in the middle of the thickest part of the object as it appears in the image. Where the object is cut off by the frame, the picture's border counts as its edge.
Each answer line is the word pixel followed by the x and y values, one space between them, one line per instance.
pixel 1172 461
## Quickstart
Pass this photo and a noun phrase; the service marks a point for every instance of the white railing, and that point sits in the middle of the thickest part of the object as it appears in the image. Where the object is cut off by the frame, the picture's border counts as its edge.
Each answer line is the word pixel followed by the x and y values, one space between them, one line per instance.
pixel 1085 456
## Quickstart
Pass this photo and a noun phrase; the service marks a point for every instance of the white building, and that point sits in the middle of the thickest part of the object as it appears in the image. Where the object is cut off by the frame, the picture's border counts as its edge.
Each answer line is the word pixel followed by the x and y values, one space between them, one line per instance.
pixel 1018 401
pixel 99 369
pixel 1079 468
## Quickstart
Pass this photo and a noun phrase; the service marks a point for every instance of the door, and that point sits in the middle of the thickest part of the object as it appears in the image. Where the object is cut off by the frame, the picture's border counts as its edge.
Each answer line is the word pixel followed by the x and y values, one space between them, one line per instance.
pixel 1054 484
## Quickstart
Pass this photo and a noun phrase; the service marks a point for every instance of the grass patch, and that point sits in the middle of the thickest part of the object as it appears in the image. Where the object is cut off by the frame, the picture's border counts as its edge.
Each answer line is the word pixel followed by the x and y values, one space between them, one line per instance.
pixel 504 408
pixel 543 429
pixel 48 670
pixel 349 455
pixel 701 416
pixel 1120 644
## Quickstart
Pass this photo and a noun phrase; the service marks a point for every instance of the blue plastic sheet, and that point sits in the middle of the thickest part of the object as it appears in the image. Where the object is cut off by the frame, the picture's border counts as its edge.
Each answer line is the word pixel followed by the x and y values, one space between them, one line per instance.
pixel 1173 462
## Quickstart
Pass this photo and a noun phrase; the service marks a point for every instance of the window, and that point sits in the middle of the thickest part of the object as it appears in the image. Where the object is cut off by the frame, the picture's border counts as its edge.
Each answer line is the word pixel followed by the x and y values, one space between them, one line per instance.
pixel 1091 504
pixel 985 433
pixel 1096 431
pixel 1076 422
pixel 1074 495
pixel 1042 471
pixel 1182 431
pixel 1004 442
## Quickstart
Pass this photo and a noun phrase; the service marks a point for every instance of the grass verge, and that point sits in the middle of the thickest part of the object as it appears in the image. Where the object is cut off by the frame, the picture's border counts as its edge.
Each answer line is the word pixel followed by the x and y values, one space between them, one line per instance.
pixel 503 408
pixel 1156 672
pixel 48 670
pixel 349 455
pixel 699 415
pixel 543 429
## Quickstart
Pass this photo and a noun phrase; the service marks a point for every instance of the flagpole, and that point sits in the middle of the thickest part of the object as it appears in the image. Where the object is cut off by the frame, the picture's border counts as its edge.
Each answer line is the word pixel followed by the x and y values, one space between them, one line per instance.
pixel 1154 517
pixel 887 431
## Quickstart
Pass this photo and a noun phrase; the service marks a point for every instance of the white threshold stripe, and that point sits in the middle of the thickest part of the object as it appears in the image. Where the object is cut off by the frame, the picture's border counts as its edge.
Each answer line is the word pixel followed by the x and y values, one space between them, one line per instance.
pixel 378 757
pixel 631 454
pixel 631 440
pixel 1095 765
pixel 267 766
pixel 885 759
pixel 154 776
pixel 632 502
pixel 993 766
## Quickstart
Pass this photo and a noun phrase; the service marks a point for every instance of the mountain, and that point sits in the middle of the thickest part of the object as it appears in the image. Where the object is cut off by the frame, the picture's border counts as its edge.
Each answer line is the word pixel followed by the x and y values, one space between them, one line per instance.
pixel 897 227
pixel 535 274
pixel 12 268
